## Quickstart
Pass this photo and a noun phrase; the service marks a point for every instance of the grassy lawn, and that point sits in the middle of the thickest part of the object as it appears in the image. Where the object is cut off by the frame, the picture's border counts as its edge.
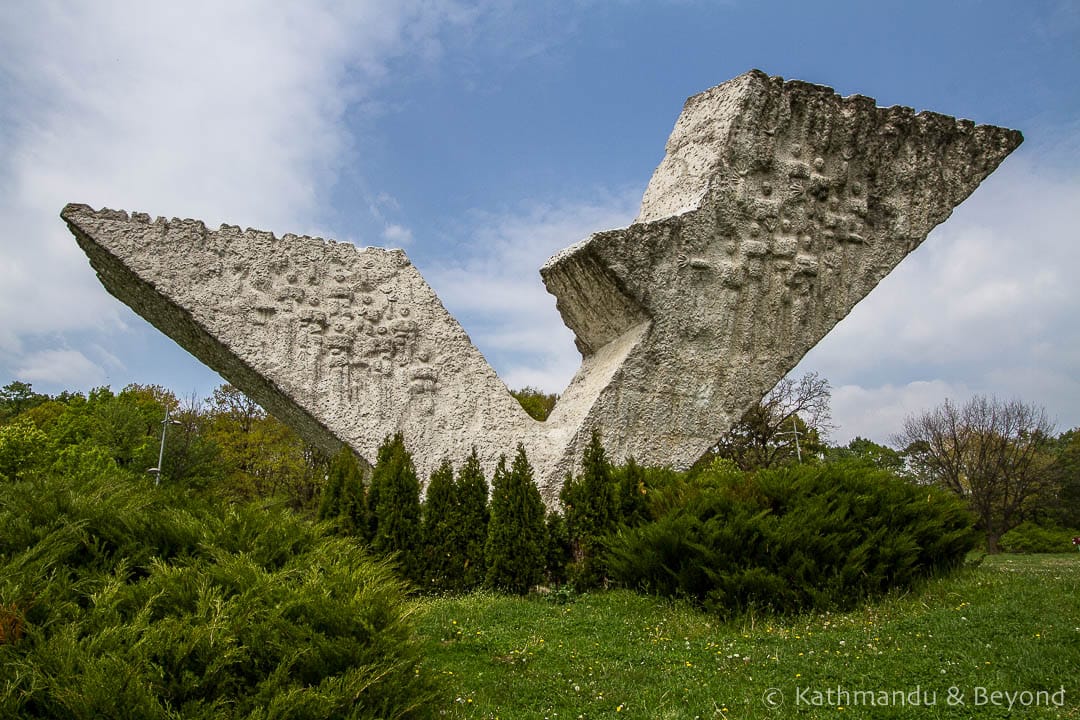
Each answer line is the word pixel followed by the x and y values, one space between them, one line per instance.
pixel 1009 625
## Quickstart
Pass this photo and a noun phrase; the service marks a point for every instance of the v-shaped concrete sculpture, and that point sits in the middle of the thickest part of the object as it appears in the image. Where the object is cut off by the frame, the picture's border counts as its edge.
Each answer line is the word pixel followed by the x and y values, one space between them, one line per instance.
pixel 778 207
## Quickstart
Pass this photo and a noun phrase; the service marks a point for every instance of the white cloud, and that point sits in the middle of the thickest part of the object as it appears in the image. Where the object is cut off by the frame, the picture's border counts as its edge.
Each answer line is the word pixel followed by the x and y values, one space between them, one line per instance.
pixel 397 235
pixel 223 111
pixel 63 367
pixel 987 305
pixel 496 292
pixel 878 413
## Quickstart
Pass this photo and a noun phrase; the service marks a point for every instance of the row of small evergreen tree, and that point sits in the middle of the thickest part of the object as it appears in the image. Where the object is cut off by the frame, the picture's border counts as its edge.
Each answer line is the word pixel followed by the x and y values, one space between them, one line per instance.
pixel 458 539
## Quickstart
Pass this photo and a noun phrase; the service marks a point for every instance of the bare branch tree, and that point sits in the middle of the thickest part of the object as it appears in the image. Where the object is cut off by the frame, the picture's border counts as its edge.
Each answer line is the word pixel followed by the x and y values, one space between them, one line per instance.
pixel 766 437
pixel 990 452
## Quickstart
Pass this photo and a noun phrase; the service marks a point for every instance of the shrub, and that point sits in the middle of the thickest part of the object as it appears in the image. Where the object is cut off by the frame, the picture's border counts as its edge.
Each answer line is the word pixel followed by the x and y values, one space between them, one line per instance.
pixel 589 503
pixel 119 599
pixel 1031 538
pixel 343 501
pixel 787 540
pixel 515 543
pixel 442 561
pixel 394 506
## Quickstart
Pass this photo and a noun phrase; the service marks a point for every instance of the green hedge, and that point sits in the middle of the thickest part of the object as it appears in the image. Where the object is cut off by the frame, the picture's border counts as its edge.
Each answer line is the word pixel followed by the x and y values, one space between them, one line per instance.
pixel 121 600
pixel 786 540
pixel 1031 538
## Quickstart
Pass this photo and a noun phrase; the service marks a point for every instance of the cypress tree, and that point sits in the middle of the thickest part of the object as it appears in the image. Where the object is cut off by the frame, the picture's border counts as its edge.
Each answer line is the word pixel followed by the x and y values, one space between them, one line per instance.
pixel 394 506
pixel 442 557
pixel 515 543
pixel 631 507
pixel 558 551
pixel 589 502
pixel 343 499
pixel 471 521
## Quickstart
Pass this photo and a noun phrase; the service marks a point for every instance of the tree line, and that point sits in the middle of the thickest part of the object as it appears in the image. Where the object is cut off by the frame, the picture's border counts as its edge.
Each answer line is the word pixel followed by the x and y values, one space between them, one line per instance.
pixel 1001 457
pixel 461 536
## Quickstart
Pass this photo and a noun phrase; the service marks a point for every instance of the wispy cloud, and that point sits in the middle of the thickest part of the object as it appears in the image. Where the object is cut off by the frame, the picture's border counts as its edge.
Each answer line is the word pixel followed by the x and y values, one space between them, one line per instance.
pixel 222 111
pixel 495 290
pixel 987 305
pixel 397 235
pixel 62 367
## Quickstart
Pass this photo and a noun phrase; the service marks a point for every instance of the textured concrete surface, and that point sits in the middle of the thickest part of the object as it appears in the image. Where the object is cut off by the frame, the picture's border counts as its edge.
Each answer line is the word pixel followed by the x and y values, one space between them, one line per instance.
pixel 778 206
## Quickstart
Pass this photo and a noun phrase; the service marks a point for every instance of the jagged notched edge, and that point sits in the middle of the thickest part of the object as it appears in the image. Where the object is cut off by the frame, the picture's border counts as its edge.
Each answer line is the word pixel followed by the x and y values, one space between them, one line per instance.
pixel 70 213
pixel 859 98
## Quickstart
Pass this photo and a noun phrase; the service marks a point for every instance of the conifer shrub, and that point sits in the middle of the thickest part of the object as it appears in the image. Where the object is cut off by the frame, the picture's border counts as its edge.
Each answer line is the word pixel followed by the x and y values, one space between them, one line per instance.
pixel 344 503
pixel 558 552
pixel 589 503
pixel 515 544
pixel 119 599
pixel 631 494
pixel 471 517
pixel 455 527
pixel 798 538
pixel 394 507
pixel 443 563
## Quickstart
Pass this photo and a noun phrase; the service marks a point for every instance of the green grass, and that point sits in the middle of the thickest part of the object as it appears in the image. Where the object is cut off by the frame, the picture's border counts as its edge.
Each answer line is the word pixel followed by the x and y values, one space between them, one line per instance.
pixel 1011 624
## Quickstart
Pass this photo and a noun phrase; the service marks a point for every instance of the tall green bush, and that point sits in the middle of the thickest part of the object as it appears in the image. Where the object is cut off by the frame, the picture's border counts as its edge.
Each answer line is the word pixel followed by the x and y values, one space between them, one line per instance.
pixel 344 502
pixel 793 539
pixel 442 558
pixel 515 544
pixel 394 506
pixel 589 503
pixel 471 516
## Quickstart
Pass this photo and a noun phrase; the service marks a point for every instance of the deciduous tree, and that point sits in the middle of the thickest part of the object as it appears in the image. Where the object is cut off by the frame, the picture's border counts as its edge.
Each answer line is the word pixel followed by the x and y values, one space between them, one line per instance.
pixel 536 403
pixel 791 420
pixel 260 455
pixel 870 452
pixel 1066 476
pixel 16 397
pixel 990 452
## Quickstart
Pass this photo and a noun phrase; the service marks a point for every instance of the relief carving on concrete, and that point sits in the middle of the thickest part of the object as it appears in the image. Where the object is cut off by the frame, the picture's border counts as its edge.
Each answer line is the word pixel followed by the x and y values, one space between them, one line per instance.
pixel 778 206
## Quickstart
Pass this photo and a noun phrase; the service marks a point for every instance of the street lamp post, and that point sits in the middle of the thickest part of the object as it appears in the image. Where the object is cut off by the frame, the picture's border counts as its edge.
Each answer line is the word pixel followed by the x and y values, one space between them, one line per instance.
pixel 156 471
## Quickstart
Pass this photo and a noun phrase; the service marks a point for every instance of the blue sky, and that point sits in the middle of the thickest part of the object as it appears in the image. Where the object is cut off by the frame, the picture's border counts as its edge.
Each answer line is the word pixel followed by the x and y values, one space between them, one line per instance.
pixel 482 137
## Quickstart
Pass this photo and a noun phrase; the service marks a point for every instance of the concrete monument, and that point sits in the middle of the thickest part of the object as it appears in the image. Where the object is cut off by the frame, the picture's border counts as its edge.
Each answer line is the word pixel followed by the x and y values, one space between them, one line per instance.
pixel 779 205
